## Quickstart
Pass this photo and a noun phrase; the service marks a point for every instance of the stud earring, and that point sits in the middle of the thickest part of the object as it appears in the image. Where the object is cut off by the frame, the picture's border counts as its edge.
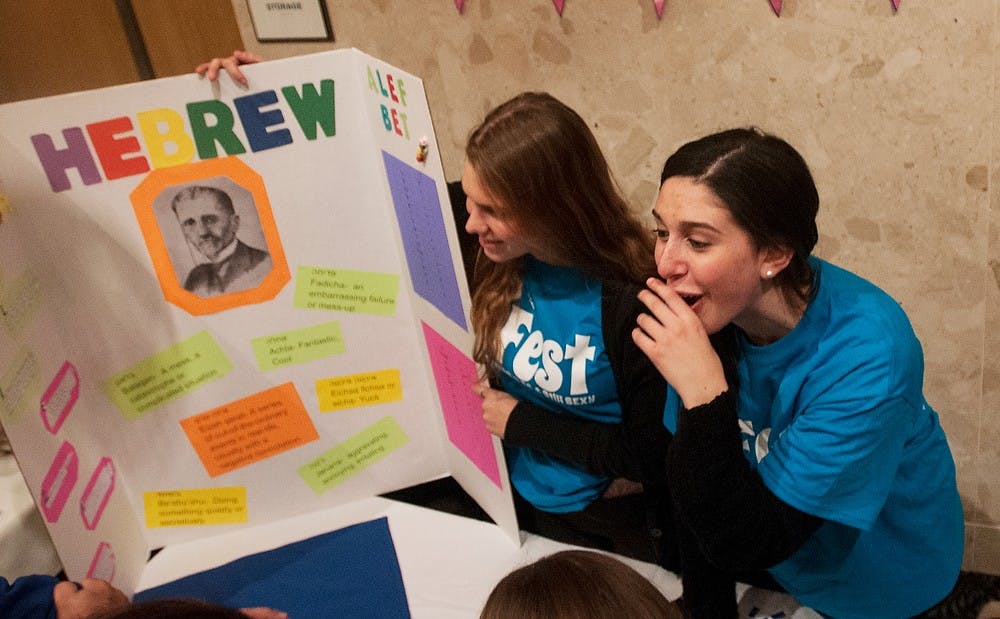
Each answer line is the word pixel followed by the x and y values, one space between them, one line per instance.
pixel 769 274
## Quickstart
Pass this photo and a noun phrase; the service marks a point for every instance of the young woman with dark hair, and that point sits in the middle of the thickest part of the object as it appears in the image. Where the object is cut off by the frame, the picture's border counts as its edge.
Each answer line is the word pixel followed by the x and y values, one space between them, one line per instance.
pixel 803 444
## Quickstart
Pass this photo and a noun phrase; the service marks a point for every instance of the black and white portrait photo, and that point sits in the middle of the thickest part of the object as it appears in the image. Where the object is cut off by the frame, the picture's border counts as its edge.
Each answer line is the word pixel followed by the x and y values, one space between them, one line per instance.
pixel 214 237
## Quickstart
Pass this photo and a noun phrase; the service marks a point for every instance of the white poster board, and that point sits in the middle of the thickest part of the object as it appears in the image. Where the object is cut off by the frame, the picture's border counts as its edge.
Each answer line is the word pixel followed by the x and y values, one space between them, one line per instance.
pixel 171 370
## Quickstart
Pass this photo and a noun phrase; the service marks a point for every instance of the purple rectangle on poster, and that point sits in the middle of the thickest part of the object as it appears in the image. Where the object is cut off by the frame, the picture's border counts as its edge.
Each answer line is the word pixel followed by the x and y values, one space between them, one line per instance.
pixel 418 213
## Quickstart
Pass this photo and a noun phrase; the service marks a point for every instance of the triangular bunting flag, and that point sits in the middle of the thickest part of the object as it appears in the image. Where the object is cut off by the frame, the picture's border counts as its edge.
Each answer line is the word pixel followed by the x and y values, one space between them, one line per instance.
pixel 776 7
pixel 559 6
pixel 658 4
pixel 895 5
pixel 459 4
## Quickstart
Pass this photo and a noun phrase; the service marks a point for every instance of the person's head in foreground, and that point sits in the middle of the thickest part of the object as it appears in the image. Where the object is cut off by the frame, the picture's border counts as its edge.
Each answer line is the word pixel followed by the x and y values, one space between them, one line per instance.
pixel 577 584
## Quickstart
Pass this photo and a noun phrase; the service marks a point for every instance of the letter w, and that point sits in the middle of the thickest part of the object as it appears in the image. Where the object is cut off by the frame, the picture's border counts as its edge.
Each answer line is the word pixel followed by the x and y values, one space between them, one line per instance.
pixel 313 108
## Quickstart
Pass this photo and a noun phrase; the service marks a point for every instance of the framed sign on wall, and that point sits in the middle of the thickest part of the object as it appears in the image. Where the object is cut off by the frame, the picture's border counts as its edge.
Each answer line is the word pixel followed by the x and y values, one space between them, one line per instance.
pixel 290 20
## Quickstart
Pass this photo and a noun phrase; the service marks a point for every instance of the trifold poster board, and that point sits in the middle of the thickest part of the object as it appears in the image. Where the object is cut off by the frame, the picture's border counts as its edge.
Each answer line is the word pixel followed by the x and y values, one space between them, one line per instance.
pixel 225 306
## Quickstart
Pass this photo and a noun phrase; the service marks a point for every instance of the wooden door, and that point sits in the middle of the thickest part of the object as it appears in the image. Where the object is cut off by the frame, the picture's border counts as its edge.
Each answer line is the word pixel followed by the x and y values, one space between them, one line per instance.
pixel 180 34
pixel 58 46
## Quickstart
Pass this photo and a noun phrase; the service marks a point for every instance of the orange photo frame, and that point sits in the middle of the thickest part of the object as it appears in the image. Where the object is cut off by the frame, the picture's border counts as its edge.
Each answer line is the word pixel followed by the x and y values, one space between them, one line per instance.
pixel 231 168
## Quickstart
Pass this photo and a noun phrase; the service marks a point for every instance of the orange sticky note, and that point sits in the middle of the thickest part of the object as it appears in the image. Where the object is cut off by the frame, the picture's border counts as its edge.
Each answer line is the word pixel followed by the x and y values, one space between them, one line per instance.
pixel 250 430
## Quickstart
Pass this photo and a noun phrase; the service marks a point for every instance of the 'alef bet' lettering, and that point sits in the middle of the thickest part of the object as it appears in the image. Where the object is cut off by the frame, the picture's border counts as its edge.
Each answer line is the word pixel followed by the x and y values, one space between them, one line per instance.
pixel 391 88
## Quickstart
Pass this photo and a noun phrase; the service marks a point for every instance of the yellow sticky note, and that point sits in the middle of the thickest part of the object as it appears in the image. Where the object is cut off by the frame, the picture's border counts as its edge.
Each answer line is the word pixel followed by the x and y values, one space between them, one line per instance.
pixel 353 455
pixel 195 507
pixel 355 390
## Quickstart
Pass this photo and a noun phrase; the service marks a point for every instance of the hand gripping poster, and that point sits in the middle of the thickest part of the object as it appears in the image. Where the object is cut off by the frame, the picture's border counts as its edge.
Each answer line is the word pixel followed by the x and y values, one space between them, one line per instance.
pixel 225 306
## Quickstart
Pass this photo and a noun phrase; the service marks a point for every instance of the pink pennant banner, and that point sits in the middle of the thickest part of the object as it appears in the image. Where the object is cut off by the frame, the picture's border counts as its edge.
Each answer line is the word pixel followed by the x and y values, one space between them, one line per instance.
pixel 658 5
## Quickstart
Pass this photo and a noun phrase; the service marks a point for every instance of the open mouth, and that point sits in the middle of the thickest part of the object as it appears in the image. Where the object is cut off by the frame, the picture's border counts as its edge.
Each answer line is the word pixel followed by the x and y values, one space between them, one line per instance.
pixel 690 299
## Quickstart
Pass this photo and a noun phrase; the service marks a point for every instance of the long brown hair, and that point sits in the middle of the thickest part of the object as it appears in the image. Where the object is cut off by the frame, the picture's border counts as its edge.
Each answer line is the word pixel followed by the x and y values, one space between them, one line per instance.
pixel 539 160
pixel 577 584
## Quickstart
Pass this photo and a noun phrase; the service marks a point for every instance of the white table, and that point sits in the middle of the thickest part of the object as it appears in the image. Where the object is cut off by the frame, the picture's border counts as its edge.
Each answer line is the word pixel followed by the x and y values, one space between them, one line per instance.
pixel 449 564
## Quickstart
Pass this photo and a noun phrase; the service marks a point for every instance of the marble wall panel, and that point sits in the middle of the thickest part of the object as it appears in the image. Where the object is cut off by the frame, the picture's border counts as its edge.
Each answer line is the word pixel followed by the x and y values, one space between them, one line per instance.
pixel 893 111
pixel 985 549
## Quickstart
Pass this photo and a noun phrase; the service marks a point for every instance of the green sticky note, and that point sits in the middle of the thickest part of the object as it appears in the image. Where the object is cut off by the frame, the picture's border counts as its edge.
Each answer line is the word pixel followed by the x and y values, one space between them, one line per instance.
pixel 341 290
pixel 20 303
pixel 298 346
pixel 167 375
pixel 16 381
pixel 353 455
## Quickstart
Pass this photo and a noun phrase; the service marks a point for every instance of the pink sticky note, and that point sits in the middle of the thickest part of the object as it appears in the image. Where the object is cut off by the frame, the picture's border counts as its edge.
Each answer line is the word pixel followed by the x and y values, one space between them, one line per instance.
pixel 559 6
pixel 459 4
pixel 60 397
pixel 454 375
pixel 776 7
pixel 658 5
pixel 102 564
pixel 59 481
pixel 97 493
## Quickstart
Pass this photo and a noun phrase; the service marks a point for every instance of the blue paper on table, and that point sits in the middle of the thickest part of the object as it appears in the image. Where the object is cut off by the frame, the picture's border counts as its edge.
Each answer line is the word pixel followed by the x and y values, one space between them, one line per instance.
pixel 350 572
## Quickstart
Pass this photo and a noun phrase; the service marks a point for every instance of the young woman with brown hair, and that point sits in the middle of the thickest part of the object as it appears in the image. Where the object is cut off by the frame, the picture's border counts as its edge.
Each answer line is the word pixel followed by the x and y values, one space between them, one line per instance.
pixel 553 306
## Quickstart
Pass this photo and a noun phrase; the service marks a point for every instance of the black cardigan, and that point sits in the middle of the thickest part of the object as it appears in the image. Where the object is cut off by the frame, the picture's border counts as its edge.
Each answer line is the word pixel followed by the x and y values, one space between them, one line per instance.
pixel 636 448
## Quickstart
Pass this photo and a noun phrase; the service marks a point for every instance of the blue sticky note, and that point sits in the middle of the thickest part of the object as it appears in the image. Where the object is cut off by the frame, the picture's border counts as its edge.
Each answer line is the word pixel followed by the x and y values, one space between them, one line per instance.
pixel 350 572
pixel 418 213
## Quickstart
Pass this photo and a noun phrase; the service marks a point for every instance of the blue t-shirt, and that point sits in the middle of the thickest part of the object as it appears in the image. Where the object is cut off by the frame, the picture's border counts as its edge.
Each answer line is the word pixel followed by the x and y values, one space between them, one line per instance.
pixel 554 357
pixel 834 419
